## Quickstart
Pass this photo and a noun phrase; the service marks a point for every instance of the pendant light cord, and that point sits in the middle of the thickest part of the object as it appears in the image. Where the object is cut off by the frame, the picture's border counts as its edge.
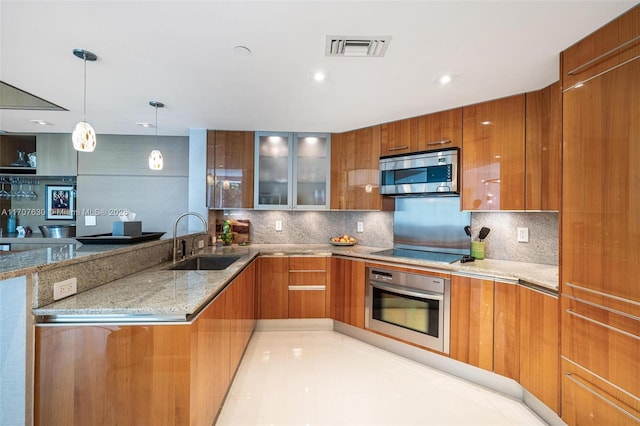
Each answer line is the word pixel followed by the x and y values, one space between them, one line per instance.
pixel 84 107
pixel 156 124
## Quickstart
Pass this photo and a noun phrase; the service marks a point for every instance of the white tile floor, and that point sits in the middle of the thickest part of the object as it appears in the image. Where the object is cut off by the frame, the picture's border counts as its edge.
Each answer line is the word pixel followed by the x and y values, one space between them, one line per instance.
pixel 327 378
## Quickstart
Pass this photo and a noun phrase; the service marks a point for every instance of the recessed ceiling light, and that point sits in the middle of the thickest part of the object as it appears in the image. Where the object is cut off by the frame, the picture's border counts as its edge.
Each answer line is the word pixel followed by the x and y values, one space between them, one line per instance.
pixel 445 79
pixel 144 124
pixel 242 50
pixel 319 76
pixel 41 122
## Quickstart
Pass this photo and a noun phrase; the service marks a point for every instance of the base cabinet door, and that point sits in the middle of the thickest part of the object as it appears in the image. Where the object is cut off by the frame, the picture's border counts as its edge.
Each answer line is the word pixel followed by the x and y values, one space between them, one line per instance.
pixel 539 327
pixel 348 283
pixel 472 321
pixel 506 341
pixel 273 287
pixel 307 302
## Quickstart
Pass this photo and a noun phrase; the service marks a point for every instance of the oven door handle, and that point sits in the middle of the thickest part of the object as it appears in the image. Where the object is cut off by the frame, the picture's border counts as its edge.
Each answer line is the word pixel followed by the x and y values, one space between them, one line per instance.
pixel 424 295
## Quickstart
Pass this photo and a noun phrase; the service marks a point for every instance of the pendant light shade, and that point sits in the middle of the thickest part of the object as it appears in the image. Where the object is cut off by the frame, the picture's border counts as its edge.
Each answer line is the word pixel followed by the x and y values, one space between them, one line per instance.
pixel 156 162
pixel 83 136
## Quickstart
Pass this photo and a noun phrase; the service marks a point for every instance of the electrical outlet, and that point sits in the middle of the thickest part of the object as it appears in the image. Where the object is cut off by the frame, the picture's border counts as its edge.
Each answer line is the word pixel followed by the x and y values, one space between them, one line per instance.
pixel 523 235
pixel 89 221
pixel 360 226
pixel 278 225
pixel 65 288
pixel 200 244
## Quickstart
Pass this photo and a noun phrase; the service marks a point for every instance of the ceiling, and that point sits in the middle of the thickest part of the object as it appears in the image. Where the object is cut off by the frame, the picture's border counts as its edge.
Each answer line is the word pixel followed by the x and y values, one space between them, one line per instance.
pixel 182 54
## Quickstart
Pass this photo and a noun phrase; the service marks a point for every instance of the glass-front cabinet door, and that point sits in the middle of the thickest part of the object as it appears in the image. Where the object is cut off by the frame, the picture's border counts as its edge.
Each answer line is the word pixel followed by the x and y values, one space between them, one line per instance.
pixel 293 170
pixel 273 177
pixel 311 167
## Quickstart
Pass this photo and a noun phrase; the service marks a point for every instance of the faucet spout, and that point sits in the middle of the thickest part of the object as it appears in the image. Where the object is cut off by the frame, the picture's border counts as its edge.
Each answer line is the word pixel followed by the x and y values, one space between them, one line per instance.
pixel 175 231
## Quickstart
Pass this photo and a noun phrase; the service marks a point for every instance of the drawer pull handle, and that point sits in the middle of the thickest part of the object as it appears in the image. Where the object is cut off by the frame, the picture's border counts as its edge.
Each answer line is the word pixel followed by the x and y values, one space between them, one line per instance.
pixel 306 287
pixel 626 333
pixel 604 308
pixel 578 381
pixel 443 142
pixel 600 293
pixel 398 148
pixel 605 54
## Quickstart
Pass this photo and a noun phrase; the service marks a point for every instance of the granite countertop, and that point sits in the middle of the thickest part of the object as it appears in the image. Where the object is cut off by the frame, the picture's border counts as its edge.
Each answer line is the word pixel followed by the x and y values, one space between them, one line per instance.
pixel 159 294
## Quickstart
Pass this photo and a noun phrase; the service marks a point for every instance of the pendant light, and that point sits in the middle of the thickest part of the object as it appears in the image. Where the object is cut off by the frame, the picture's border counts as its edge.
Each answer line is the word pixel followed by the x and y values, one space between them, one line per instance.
pixel 83 136
pixel 156 162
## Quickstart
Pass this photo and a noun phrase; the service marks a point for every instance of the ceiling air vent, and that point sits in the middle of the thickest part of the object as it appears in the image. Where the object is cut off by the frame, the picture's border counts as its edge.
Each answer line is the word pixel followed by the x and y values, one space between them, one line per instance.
pixel 357 46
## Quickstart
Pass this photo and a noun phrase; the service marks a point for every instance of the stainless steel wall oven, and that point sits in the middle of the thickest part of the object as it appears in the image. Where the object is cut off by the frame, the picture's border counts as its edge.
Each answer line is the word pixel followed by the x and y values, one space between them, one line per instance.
pixel 411 307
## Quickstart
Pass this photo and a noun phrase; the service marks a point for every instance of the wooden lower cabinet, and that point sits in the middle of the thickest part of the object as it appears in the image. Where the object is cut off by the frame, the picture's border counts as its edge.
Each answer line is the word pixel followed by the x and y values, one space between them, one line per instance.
pixel 589 400
pixel 107 374
pixel 293 286
pixel 348 284
pixel 539 327
pixel 472 304
pixel 506 340
pixel 306 303
pixel 273 287
pixel 600 368
pixel 307 286
pixel 509 329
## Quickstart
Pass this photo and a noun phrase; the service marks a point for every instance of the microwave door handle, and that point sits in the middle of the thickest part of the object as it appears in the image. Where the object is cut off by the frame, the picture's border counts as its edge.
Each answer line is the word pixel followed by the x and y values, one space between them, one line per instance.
pixel 424 295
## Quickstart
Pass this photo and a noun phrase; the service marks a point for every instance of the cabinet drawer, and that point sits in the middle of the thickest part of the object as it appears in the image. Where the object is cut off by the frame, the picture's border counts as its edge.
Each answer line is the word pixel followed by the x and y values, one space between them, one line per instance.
pixel 307 278
pixel 602 341
pixel 589 400
pixel 307 303
pixel 307 263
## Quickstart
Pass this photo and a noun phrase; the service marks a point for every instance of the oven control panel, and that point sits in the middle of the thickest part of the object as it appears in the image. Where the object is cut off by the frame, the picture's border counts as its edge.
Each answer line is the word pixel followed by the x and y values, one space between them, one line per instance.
pixel 407 280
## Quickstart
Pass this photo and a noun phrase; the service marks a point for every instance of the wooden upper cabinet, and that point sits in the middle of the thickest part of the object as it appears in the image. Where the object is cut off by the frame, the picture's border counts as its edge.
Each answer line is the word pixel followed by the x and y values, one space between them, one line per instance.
pixel 399 137
pixel 604 49
pixel 440 130
pixel 543 146
pixel 493 155
pixel 230 167
pixel 355 170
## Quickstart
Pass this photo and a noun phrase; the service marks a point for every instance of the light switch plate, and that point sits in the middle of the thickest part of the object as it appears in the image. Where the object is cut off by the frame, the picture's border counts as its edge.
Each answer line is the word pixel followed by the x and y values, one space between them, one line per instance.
pixel 278 225
pixel 360 226
pixel 523 235
pixel 89 221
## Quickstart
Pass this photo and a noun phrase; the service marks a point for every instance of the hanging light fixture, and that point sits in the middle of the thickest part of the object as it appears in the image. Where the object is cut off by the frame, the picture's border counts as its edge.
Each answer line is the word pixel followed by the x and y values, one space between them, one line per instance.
pixel 156 162
pixel 83 136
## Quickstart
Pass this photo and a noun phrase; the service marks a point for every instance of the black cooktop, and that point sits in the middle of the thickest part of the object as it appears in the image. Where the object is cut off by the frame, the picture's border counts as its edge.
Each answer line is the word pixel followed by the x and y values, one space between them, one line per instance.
pixel 433 256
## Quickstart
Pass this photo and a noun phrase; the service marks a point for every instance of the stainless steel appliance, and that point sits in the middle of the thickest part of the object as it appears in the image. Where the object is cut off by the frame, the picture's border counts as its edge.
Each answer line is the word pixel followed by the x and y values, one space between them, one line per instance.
pixel 411 307
pixel 422 173
pixel 429 228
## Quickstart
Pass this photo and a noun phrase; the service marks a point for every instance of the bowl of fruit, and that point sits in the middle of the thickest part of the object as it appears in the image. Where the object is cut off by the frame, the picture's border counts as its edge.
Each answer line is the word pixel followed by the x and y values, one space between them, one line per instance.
pixel 343 240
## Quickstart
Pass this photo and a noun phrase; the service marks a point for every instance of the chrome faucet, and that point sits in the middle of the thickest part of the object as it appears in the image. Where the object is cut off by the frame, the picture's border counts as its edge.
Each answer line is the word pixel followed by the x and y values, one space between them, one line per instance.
pixel 175 231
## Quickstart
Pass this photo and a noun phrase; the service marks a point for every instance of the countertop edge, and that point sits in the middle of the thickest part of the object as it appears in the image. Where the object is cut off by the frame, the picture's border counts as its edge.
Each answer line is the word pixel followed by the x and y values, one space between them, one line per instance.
pixel 213 282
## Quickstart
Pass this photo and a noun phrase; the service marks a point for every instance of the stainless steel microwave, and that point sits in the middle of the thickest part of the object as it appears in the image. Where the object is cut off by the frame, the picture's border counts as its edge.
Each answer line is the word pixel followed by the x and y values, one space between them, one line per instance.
pixel 422 173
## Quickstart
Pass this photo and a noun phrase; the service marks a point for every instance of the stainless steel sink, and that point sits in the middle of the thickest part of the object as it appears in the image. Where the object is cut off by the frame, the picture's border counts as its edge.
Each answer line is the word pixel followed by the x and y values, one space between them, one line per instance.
pixel 205 263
